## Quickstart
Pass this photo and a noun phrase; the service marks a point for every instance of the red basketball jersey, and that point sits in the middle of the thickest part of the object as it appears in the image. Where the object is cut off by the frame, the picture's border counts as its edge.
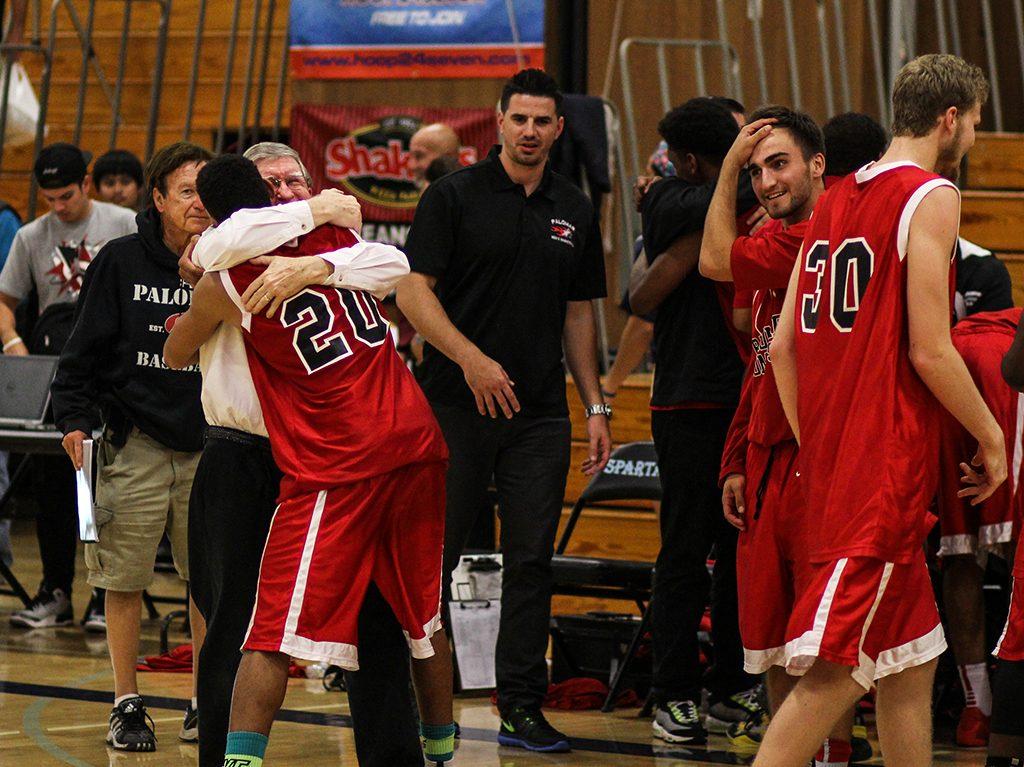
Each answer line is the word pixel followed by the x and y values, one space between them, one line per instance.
pixel 339 404
pixel 764 263
pixel 983 340
pixel 869 425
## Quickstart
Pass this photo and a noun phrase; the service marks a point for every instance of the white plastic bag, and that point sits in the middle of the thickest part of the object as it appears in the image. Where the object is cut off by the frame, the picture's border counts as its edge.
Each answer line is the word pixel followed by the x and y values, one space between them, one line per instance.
pixel 22 108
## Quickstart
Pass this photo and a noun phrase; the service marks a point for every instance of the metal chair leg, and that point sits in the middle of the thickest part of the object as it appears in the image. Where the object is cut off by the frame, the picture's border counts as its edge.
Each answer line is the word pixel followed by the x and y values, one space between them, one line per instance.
pixel 620 672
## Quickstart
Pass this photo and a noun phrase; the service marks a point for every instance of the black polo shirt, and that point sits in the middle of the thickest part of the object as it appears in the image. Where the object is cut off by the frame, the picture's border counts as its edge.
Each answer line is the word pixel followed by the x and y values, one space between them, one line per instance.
pixel 696 360
pixel 506 264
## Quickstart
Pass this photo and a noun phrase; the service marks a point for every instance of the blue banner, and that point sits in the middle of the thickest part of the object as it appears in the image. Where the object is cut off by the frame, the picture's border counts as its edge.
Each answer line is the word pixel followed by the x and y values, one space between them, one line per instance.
pixel 360 39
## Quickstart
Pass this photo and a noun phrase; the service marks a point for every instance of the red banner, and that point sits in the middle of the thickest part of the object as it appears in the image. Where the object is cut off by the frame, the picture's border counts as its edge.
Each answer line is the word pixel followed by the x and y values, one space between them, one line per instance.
pixel 365 151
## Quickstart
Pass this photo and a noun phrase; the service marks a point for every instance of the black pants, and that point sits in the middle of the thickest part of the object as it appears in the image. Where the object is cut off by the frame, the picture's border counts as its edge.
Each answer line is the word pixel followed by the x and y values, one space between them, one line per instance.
pixel 528 459
pixel 53 480
pixel 232 503
pixel 689 445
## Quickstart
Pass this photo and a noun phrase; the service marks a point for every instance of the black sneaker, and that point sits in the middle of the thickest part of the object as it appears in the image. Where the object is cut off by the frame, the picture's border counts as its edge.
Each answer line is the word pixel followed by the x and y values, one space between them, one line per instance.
pixel 678 721
pixel 189 732
pixel 131 729
pixel 95 619
pixel 860 746
pixel 527 728
pixel 49 608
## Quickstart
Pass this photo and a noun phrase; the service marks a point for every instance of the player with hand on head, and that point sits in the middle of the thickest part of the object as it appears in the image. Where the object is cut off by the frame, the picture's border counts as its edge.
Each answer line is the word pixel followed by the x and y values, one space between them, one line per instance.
pixel 783 151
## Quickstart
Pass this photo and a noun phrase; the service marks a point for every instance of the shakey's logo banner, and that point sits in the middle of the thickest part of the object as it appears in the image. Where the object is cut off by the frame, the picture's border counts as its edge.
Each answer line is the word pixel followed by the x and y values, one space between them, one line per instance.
pixel 365 151
pixel 377 39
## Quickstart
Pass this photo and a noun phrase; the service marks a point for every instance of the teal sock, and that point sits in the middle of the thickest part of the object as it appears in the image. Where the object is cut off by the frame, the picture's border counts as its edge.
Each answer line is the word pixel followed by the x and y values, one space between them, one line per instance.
pixel 245 749
pixel 438 741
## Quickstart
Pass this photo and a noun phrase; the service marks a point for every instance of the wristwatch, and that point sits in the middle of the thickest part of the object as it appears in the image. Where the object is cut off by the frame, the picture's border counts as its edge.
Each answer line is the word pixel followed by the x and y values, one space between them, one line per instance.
pixel 602 409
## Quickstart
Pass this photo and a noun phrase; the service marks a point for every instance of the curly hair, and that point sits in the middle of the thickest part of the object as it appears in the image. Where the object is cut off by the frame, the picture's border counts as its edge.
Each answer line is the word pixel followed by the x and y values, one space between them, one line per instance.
pixel 702 127
pixel 852 140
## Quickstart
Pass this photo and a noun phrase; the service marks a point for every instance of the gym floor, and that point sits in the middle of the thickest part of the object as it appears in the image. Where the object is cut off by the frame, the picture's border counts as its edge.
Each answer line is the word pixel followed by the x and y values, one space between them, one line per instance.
pixel 55 697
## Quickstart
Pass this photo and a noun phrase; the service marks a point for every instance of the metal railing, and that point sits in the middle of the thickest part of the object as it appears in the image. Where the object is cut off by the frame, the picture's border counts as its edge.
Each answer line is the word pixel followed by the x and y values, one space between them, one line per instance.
pixel 893 28
pixel 249 123
pixel 730 66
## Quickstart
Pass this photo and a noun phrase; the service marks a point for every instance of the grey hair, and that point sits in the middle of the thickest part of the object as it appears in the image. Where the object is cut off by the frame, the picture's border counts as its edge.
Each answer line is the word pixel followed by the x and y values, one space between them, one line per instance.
pixel 272 150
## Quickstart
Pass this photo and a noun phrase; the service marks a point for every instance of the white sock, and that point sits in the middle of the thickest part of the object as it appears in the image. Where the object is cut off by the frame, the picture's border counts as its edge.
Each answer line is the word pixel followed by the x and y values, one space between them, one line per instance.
pixel 123 698
pixel 195 703
pixel 977 691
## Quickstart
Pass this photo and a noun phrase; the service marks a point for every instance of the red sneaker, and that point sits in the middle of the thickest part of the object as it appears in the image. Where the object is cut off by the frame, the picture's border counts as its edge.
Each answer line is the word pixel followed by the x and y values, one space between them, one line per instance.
pixel 972 731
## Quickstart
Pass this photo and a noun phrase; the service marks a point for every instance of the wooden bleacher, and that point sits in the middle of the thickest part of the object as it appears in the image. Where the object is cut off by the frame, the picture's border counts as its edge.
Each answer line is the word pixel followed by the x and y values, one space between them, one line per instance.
pixel 135 99
pixel 993 201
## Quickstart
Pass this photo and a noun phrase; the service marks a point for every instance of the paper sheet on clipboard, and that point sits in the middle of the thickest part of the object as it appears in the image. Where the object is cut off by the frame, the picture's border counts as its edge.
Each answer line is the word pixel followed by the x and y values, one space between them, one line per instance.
pixel 86 514
pixel 475 634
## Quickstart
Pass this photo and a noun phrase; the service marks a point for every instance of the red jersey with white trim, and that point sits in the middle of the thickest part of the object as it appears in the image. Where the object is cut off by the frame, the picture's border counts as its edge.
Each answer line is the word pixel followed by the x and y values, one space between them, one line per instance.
pixel 983 340
pixel 869 425
pixel 339 404
pixel 764 262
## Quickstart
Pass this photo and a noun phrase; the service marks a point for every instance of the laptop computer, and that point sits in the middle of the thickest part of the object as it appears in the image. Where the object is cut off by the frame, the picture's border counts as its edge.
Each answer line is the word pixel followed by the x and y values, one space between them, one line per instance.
pixel 25 390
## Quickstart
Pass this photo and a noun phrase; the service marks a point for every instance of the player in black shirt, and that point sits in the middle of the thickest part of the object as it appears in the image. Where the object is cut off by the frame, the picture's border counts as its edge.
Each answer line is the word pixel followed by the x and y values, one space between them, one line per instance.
pixel 697 378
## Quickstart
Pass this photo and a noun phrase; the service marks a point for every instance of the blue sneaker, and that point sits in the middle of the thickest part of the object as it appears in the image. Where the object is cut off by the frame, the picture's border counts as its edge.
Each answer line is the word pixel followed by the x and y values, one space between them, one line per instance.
pixel 527 728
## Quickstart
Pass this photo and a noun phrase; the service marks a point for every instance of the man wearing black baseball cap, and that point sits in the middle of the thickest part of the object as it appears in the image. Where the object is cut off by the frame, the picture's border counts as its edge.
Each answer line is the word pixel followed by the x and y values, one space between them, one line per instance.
pixel 50 256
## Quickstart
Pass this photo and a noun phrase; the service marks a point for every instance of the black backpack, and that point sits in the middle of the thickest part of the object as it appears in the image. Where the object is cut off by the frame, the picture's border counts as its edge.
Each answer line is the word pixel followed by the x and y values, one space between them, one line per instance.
pixel 50 332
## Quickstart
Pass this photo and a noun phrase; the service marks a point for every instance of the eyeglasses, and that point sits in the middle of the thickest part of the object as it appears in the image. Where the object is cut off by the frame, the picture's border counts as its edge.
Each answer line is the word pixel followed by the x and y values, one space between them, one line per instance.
pixel 295 183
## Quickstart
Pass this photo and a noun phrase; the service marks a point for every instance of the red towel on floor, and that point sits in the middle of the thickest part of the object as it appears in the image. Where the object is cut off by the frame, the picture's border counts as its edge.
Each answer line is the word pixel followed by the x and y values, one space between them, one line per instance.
pixel 179 661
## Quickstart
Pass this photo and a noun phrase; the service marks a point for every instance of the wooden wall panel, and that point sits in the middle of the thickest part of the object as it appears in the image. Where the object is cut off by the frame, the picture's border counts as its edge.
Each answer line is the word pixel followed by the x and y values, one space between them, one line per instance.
pixel 994 219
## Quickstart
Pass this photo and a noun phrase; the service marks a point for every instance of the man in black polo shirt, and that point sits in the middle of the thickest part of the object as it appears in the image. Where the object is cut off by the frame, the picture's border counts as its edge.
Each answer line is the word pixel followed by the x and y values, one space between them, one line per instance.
pixel 506 258
pixel 697 377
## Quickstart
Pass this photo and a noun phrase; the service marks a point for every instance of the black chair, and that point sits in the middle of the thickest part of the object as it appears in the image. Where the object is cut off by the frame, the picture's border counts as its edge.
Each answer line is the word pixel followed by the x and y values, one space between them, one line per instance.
pixel 631 474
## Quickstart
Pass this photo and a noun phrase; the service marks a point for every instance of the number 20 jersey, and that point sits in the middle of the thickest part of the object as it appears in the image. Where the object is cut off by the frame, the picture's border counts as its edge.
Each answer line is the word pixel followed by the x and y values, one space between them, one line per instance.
pixel 869 426
pixel 339 403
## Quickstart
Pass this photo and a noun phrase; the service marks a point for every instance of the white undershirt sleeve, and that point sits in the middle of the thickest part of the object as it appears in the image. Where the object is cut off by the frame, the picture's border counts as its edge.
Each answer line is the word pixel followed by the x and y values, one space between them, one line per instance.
pixel 251 232
pixel 370 266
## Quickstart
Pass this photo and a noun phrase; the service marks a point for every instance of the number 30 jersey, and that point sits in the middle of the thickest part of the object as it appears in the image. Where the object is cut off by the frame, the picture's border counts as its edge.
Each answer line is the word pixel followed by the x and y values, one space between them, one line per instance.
pixel 339 403
pixel 869 426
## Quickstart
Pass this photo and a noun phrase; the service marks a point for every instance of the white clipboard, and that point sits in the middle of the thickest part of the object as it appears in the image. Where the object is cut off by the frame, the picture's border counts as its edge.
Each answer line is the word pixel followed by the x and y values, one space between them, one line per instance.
pixel 475 634
pixel 86 514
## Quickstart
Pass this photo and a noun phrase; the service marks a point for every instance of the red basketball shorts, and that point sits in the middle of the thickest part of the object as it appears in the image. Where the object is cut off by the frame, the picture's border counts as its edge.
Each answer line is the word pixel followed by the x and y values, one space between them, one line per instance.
pixel 771 567
pixel 877 617
pixel 325 548
pixel 1011 643
pixel 987 527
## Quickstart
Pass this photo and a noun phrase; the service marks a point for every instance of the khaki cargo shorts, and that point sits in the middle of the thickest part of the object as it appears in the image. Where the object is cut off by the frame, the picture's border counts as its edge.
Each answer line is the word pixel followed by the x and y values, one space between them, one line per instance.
pixel 142 489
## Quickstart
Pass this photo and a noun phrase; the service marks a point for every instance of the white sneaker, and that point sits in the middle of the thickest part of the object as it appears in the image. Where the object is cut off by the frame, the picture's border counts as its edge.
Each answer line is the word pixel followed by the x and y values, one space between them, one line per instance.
pixel 48 609
pixel 678 721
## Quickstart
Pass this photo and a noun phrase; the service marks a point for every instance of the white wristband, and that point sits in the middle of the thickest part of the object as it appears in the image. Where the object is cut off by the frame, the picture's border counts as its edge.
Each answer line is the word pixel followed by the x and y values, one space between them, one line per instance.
pixel 12 342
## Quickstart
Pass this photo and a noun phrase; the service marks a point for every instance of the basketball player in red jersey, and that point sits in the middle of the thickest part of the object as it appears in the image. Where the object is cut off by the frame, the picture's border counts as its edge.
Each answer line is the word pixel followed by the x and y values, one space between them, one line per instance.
pixel 863 361
pixel 362 496
pixel 1006 743
pixel 970 533
pixel 786 165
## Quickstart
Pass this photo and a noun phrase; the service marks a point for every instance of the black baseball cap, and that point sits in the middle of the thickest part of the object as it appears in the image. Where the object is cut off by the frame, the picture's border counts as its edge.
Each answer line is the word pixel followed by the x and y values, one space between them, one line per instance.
pixel 61 164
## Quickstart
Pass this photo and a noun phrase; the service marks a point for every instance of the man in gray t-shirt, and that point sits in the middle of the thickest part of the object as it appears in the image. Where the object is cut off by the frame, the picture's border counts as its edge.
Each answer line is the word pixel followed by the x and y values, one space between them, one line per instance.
pixel 51 255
